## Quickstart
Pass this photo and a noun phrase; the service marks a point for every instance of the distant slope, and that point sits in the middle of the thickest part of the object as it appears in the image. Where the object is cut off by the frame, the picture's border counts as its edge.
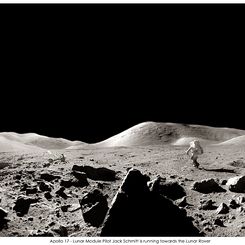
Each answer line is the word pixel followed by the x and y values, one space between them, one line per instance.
pixel 11 141
pixel 7 145
pixel 152 133
pixel 240 140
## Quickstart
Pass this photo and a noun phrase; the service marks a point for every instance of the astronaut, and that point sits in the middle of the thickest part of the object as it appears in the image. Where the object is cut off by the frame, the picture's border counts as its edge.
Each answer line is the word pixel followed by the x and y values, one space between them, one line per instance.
pixel 195 150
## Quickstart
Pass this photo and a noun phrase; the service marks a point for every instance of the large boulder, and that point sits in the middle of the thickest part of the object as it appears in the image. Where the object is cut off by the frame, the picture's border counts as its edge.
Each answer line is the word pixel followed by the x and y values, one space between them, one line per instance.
pixel 3 213
pixel 207 186
pixel 96 173
pixel 170 189
pixel 44 186
pixel 236 184
pixel 222 209
pixel 137 211
pixel 22 205
pixel 94 207
pixel 49 176
pixel 207 205
pixel 61 193
pixel 79 179
pixel 3 220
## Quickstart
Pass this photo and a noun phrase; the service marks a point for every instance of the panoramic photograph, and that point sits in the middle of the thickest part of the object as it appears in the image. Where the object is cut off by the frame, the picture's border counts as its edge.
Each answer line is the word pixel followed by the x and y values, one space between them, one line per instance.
pixel 122 121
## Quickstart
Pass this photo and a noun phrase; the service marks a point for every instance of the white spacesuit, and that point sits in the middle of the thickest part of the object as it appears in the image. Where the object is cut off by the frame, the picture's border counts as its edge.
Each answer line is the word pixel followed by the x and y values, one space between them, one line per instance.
pixel 195 149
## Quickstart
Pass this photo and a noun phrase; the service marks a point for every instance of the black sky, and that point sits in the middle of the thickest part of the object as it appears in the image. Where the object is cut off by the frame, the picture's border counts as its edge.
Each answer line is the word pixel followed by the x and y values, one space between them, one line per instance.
pixel 87 72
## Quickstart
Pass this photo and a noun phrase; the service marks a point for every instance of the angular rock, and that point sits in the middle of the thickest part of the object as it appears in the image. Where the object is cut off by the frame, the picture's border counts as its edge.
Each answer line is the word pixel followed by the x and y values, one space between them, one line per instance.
pixel 61 193
pixel 31 190
pixel 30 219
pixel 3 213
pixel 183 203
pixel 208 205
pixel 94 207
pixel 24 187
pixel 22 205
pixel 48 195
pixel 44 186
pixel 222 209
pixel 137 211
pixel 171 189
pixel 241 199
pixel 82 177
pixel 79 180
pixel 18 177
pixel 233 204
pixel 67 183
pixel 64 208
pixel 207 186
pixel 96 173
pixel 61 230
pixel 236 184
pixel 219 222
pixel 49 177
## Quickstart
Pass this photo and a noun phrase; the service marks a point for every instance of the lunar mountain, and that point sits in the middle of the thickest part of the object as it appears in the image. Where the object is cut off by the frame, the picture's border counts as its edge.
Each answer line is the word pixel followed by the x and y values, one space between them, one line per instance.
pixel 139 182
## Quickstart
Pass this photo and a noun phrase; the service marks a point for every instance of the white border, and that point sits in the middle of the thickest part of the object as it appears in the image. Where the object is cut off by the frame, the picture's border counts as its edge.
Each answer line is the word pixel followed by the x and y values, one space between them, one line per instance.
pixel 123 240
pixel 122 1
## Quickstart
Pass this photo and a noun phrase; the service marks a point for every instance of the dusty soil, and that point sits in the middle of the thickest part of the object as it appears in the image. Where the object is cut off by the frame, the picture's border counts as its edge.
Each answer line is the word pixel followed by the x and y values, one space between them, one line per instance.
pixel 171 162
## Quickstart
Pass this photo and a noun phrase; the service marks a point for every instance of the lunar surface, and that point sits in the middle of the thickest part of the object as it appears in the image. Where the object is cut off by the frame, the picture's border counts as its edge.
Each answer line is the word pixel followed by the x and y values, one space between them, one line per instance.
pixel 140 178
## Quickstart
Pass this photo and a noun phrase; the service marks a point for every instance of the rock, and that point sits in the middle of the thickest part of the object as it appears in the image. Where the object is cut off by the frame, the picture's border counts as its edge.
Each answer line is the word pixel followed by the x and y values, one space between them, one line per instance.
pixel 64 208
pixel 46 165
pixel 67 183
pixel 3 213
pixel 62 231
pixel 82 177
pixel 40 233
pixel 207 186
pixel 241 199
pixel 206 223
pixel 24 187
pixel 49 177
pixel 18 177
pixel 63 158
pixel 137 211
pixel 223 182
pixel 236 184
pixel 22 205
pixel 219 222
pixel 233 204
pixel 171 190
pixel 48 195
pixel 207 205
pixel 173 176
pixel 231 217
pixel 51 223
pixel 44 186
pixel 94 207
pixel 31 190
pixel 61 193
pixel 30 219
pixel 96 173
pixel 79 180
pixel 100 186
pixel 222 209
pixel 57 214
pixel 183 203
pixel 208 229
